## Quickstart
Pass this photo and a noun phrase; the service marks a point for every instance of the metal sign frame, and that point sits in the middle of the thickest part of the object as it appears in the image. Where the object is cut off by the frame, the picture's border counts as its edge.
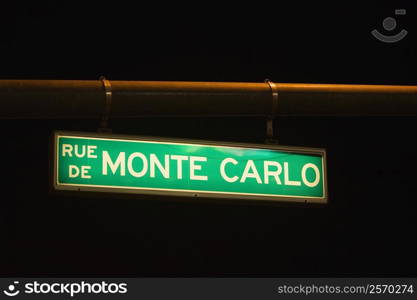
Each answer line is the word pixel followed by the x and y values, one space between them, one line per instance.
pixel 56 186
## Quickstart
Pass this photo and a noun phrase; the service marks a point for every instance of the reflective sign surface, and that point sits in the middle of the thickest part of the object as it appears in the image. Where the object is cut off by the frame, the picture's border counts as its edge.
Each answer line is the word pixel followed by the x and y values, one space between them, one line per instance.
pixel 129 164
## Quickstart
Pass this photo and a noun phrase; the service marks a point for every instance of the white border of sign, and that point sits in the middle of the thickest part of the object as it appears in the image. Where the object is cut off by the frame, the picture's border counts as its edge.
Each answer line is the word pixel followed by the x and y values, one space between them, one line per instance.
pixel 187 193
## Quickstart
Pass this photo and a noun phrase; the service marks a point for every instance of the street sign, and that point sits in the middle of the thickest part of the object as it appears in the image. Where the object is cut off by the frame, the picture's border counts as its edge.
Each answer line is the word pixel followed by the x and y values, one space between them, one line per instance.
pixel 146 165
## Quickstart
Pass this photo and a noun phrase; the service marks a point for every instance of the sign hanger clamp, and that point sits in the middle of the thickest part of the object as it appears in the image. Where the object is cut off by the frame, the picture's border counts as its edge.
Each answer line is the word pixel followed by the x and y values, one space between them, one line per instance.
pixel 107 106
pixel 269 121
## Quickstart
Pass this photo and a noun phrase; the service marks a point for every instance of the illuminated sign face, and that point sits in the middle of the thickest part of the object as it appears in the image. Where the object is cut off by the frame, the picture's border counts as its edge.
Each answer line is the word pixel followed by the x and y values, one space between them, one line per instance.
pixel 145 165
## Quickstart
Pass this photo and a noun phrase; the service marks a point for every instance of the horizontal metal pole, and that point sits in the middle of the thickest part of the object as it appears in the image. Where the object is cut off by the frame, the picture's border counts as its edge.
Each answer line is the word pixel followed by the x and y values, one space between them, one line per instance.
pixel 39 99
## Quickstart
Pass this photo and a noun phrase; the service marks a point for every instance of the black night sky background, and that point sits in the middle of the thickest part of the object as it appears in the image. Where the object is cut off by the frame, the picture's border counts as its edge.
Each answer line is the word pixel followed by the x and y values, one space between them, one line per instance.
pixel 369 226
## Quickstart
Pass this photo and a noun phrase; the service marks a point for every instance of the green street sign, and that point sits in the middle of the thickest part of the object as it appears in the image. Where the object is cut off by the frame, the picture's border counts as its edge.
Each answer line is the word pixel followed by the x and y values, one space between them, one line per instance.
pixel 147 165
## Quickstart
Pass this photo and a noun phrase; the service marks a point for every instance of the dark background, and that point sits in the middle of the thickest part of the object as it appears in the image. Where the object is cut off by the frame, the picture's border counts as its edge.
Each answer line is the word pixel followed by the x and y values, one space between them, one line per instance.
pixel 367 229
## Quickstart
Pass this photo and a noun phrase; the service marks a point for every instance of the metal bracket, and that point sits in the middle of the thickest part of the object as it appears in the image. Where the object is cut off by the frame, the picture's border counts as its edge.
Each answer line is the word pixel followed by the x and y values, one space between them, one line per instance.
pixel 107 108
pixel 269 122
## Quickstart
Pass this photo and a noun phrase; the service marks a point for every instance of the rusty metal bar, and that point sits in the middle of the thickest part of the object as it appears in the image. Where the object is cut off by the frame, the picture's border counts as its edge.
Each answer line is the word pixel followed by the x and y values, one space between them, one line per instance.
pixel 54 99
